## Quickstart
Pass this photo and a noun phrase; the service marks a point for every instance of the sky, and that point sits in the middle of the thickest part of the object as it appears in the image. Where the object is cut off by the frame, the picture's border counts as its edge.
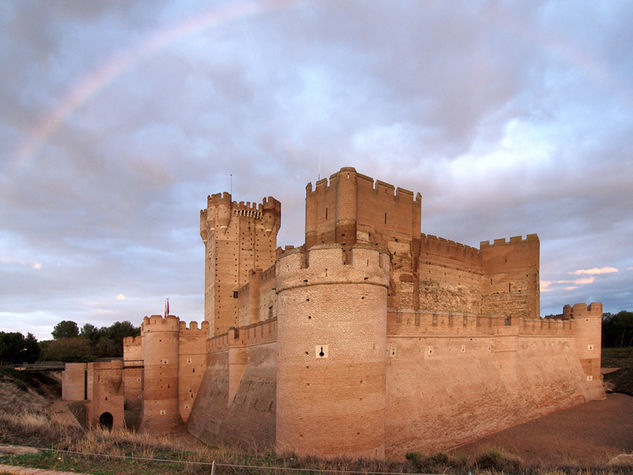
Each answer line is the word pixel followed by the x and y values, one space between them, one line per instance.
pixel 118 118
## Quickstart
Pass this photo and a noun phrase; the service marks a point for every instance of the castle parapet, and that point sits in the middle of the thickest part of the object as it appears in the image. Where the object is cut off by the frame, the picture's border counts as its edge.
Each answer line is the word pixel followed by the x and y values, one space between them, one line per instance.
pixel 530 238
pixel 438 246
pixel 218 343
pixel 160 323
pixel 193 329
pixel 324 263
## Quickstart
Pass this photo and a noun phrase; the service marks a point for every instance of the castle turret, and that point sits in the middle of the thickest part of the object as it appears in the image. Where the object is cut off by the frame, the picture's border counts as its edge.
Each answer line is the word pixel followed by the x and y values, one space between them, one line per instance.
pixel 160 342
pixel 332 351
pixel 587 326
pixel 238 237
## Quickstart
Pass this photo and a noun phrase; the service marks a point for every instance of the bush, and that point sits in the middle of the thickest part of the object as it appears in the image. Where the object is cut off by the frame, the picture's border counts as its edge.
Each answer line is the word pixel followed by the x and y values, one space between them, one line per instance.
pixel 495 459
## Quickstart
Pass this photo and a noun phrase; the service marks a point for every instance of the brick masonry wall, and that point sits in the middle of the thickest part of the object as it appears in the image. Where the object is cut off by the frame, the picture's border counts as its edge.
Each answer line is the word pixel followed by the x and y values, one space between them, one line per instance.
pixel 248 417
pixel 238 237
pixel 452 379
pixel 331 367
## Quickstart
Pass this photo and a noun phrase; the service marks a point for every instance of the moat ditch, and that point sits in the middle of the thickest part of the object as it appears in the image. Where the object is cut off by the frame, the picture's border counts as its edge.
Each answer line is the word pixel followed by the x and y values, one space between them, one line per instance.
pixel 584 438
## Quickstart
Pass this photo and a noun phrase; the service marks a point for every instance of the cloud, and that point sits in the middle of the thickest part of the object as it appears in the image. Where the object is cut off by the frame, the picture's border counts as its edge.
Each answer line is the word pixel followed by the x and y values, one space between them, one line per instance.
pixel 546 285
pixel 37 266
pixel 120 297
pixel 595 271
pixel 507 117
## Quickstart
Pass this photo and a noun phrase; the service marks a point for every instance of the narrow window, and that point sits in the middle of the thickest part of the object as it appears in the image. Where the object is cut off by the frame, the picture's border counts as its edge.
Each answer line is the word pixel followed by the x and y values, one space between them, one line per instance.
pixel 235 294
pixel 325 213
pixel 385 218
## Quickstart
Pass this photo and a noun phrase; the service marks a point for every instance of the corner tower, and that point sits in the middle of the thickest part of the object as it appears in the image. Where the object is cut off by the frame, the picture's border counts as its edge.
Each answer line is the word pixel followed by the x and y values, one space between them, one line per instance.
pixel 331 366
pixel 237 237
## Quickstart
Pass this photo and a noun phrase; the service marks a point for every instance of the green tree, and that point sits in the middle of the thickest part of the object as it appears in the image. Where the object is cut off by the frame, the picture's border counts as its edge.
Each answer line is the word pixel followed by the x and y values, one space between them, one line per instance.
pixel 31 351
pixel 617 329
pixel 65 329
pixel 91 332
pixel 14 348
pixel 75 349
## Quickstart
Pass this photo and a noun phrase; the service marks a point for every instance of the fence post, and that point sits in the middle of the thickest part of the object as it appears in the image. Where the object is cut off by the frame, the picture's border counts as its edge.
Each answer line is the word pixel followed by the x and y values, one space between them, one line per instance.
pixel 213 468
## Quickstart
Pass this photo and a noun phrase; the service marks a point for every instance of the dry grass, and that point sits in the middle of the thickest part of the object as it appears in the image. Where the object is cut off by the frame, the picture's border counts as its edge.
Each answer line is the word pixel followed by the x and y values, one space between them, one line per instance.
pixel 124 448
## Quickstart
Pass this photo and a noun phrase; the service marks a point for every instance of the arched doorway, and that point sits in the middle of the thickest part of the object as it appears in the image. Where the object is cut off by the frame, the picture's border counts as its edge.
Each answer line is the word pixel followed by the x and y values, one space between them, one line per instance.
pixel 106 420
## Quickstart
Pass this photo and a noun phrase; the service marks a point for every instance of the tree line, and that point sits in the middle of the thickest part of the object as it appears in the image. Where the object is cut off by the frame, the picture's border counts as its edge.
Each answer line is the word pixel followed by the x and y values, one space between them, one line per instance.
pixel 617 329
pixel 70 343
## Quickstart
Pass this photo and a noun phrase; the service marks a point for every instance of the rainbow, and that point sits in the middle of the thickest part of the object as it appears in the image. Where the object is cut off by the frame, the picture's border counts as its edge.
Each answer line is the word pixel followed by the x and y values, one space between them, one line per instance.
pixel 106 73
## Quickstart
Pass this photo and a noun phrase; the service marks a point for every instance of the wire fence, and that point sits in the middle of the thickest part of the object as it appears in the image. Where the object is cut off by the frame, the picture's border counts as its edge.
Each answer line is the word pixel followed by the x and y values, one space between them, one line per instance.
pixel 229 467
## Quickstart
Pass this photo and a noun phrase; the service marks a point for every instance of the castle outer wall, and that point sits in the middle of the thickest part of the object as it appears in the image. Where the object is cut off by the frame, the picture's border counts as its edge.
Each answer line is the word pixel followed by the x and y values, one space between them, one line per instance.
pixel 372 339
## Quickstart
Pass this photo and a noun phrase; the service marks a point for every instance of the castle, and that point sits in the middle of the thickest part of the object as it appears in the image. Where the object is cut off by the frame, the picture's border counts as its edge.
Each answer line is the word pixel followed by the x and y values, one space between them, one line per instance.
pixel 372 339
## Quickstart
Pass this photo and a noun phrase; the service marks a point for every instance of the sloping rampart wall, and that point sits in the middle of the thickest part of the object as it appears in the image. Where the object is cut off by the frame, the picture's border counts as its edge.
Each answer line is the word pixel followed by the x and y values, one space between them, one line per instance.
pixel 454 378
pixel 236 399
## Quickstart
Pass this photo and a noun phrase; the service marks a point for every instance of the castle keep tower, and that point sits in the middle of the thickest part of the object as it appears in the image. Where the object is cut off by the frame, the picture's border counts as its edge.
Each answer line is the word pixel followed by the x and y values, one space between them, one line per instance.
pixel 352 208
pixel 237 237
pixel 331 334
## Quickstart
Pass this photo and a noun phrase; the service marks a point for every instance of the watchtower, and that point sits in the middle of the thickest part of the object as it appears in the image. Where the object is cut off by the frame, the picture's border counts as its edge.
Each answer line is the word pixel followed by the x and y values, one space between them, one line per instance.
pixel 238 237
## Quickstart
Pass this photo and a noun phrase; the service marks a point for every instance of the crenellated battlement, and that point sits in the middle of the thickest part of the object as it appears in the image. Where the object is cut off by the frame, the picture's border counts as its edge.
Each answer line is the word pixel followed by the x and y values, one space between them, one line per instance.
pixel 132 340
pixel 582 310
pixel 218 198
pixel 529 239
pixel 329 257
pixel 170 323
pixel 458 324
pixel 218 343
pixel 193 328
pixel 365 182
pixel 438 245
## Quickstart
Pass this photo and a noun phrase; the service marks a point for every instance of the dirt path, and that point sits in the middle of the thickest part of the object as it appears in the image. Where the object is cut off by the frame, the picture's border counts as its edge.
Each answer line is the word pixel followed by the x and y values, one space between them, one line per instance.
pixel 32 471
pixel 589 434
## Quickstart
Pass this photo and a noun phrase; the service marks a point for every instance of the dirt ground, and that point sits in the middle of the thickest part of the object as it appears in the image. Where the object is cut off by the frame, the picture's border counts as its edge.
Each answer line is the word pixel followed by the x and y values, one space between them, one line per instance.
pixel 589 435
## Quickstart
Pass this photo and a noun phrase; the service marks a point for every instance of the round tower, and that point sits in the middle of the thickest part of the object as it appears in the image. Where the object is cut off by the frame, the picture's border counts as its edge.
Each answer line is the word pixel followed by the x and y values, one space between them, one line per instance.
pixel 332 321
pixel 160 340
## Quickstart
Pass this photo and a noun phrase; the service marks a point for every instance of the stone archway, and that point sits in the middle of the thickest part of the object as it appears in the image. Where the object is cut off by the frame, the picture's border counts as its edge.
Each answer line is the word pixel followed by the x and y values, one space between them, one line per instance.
pixel 106 421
